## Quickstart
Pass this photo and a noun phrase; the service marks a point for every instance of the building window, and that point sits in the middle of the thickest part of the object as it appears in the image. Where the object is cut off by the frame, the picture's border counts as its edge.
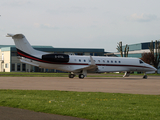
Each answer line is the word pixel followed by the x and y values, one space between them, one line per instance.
pixel 23 67
pixel 13 67
pixel 18 67
pixel 14 54
pixel 6 65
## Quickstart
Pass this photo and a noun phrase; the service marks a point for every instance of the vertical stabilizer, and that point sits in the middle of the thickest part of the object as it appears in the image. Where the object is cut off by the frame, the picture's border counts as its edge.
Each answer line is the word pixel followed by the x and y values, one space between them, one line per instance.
pixel 23 45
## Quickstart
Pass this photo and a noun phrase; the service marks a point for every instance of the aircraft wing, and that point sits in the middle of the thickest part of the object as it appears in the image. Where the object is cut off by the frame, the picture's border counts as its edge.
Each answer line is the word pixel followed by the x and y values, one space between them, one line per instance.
pixel 91 67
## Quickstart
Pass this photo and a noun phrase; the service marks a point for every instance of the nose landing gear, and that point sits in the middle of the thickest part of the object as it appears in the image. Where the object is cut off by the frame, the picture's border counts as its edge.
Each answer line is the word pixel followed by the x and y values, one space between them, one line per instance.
pixel 145 76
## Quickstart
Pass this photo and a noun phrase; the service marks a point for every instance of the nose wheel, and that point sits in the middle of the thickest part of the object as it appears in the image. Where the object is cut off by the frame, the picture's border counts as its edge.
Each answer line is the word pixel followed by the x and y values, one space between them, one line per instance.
pixel 145 76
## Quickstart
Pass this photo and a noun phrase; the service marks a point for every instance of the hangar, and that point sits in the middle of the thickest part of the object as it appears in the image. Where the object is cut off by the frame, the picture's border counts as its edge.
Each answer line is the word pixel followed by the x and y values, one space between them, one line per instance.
pixel 9 61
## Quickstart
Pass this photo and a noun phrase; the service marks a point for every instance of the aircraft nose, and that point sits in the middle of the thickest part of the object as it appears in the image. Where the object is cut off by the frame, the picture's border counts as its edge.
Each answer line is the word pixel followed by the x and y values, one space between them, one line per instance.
pixel 153 68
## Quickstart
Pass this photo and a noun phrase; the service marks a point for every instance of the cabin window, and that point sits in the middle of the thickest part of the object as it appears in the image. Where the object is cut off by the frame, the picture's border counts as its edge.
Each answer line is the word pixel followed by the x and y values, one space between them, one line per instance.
pixel 119 61
pixel 107 61
pixel 111 61
pixel 104 61
pixel 84 60
pixel 115 61
pixel 79 60
pixel 140 61
pixel 94 61
pixel 75 60
pixel 99 61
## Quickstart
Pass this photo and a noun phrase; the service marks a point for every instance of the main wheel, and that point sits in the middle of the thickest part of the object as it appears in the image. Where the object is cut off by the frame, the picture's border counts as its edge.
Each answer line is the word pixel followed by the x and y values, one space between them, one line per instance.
pixel 71 75
pixel 145 77
pixel 81 76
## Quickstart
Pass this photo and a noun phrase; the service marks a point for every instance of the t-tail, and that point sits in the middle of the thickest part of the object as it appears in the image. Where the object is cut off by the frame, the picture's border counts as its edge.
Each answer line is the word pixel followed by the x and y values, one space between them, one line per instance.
pixel 23 46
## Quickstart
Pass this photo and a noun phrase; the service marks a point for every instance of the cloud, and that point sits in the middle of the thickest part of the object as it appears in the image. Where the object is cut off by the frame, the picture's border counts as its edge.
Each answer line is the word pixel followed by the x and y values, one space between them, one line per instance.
pixel 16 3
pixel 143 17
pixel 2 29
pixel 46 26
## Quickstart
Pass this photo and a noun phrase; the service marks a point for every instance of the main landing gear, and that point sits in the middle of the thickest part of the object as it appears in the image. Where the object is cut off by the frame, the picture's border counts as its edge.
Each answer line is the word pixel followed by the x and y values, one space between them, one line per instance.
pixel 81 76
pixel 72 75
pixel 126 74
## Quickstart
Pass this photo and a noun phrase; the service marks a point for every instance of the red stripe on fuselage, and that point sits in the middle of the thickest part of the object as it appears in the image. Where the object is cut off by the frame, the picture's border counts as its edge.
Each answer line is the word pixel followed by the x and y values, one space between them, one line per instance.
pixel 40 60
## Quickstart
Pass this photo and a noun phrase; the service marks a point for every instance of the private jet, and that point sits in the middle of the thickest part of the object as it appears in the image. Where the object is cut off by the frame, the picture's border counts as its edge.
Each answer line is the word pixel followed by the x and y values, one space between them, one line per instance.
pixel 75 64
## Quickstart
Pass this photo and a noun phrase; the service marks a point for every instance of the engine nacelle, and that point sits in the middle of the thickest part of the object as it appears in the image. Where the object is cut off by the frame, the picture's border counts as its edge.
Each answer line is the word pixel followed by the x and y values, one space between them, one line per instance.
pixel 61 58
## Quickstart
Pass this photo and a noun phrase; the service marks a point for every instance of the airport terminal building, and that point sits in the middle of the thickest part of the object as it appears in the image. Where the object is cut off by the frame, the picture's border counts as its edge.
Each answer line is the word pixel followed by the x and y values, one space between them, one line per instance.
pixel 9 61
pixel 136 50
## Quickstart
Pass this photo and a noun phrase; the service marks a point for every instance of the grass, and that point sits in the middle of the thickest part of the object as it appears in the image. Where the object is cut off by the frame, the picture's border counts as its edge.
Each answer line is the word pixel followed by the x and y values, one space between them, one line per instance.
pixel 37 74
pixel 32 74
pixel 89 105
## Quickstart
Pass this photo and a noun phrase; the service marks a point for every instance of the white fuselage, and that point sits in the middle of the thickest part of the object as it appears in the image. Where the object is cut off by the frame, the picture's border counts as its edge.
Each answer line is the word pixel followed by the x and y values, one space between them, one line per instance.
pixel 104 64
pixel 74 63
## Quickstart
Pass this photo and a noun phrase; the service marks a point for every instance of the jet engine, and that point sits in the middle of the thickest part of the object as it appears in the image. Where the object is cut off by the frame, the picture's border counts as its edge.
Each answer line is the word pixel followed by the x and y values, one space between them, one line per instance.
pixel 61 58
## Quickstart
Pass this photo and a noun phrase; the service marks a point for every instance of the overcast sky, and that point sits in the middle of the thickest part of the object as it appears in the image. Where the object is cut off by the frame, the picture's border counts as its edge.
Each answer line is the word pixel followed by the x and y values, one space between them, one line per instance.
pixel 81 23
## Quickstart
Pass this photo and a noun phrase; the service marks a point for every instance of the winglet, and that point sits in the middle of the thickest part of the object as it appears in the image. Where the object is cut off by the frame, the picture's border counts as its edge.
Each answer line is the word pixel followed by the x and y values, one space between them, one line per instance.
pixel 92 61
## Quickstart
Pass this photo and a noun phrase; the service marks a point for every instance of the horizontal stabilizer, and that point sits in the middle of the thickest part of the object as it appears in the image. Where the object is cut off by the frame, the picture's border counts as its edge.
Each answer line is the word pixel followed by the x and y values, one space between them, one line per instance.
pixel 30 63
pixel 15 36
pixel 10 35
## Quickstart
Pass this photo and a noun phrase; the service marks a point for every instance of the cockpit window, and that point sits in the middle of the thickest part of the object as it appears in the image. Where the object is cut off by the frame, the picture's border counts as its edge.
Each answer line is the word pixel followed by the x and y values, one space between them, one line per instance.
pixel 140 61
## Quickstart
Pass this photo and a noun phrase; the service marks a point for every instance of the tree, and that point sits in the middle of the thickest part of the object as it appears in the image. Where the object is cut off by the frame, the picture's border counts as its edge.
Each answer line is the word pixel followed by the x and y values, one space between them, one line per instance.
pixel 126 50
pixel 155 52
pixel 147 57
pixel 119 48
